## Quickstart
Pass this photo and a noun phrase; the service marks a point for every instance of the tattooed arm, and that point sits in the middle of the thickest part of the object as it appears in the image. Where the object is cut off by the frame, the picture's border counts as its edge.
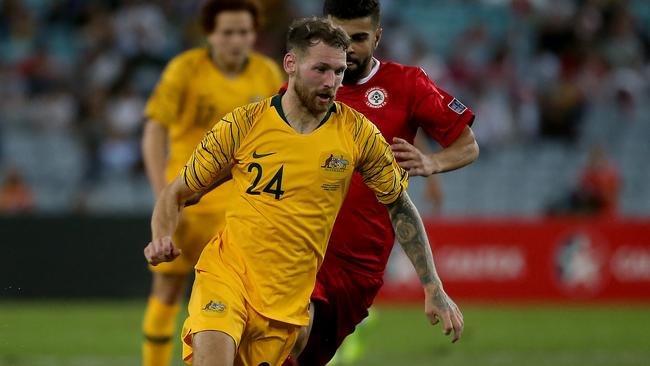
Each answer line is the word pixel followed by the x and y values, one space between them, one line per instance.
pixel 411 235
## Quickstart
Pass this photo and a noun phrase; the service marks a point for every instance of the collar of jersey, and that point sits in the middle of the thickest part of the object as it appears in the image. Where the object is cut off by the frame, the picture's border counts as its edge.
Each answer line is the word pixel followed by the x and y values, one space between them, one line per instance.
pixel 276 102
pixel 372 73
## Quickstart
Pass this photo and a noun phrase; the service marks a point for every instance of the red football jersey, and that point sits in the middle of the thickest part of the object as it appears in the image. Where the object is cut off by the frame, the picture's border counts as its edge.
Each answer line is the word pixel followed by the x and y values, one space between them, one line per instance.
pixel 398 99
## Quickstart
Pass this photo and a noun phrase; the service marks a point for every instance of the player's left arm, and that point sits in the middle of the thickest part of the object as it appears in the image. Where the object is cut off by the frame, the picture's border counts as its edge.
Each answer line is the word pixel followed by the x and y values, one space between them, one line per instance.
pixel 380 172
pixel 446 120
pixel 410 233
pixel 463 151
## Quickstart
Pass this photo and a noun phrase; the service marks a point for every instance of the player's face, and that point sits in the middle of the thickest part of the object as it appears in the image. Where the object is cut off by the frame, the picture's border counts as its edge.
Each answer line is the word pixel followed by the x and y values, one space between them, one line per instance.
pixel 233 37
pixel 365 37
pixel 318 75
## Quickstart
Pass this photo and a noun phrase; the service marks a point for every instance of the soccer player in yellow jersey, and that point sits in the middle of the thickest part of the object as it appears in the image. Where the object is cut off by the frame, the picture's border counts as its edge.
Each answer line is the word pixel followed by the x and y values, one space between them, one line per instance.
pixel 197 87
pixel 291 158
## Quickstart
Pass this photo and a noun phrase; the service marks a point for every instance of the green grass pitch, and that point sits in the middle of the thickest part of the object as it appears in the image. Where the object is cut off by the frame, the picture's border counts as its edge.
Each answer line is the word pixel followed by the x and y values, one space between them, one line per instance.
pixel 44 333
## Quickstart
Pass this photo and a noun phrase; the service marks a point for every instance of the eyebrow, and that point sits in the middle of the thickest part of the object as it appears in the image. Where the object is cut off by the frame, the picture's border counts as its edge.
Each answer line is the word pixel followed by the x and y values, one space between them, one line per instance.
pixel 360 35
pixel 324 64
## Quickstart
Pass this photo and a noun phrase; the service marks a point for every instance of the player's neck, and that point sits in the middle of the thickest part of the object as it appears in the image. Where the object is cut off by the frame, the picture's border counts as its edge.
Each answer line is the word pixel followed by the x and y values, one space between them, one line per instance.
pixel 297 115
pixel 228 69
pixel 366 72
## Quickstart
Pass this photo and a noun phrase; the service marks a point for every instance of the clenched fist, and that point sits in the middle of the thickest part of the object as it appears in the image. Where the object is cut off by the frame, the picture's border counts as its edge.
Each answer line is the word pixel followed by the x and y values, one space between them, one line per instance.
pixel 161 250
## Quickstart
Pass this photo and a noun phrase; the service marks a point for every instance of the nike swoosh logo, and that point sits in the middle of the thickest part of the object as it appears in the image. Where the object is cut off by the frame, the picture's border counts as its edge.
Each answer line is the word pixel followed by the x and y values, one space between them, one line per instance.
pixel 257 156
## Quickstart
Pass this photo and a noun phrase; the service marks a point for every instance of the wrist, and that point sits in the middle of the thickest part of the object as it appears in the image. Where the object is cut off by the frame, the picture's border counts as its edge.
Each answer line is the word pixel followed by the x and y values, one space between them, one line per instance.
pixel 432 287
pixel 434 165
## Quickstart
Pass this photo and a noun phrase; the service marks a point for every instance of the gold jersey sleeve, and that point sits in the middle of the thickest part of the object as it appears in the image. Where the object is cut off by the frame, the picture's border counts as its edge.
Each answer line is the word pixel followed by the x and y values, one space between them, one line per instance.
pixel 376 162
pixel 216 150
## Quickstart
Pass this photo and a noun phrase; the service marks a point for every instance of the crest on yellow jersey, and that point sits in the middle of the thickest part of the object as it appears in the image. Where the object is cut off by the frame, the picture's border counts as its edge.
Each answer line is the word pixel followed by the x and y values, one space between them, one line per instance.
pixel 216 307
pixel 334 162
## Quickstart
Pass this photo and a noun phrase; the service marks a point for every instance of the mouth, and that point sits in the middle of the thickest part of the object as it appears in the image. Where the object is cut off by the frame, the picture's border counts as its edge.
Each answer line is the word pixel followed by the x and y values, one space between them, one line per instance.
pixel 324 97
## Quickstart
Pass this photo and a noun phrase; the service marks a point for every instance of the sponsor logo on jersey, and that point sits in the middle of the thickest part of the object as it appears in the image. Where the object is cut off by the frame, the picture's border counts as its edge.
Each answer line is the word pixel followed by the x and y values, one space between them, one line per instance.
pixel 376 97
pixel 456 106
pixel 257 156
pixel 216 307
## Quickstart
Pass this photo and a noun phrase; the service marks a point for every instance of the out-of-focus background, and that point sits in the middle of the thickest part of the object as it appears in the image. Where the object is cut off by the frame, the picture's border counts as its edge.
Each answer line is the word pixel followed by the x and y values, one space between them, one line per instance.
pixel 545 240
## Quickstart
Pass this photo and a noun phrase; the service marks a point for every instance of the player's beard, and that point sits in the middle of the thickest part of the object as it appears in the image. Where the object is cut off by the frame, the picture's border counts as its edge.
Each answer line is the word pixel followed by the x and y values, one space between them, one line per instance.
pixel 351 76
pixel 310 99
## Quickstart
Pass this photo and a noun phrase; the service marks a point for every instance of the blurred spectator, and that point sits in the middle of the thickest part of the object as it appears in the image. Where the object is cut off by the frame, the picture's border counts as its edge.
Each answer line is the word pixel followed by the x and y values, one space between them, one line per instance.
pixel 600 184
pixel 597 193
pixel 15 195
pixel 533 70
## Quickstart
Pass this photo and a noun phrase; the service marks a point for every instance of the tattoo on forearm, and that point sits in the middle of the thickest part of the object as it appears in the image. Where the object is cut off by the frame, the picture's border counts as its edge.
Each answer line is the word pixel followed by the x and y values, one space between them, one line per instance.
pixel 440 299
pixel 411 235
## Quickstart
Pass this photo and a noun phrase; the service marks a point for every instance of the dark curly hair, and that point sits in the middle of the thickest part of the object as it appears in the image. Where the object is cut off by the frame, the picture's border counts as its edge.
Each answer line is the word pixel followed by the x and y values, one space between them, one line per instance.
pixel 352 9
pixel 212 8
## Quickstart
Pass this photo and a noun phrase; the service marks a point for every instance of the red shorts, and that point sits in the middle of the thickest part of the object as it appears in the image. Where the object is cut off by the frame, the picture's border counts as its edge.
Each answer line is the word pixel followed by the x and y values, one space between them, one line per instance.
pixel 341 298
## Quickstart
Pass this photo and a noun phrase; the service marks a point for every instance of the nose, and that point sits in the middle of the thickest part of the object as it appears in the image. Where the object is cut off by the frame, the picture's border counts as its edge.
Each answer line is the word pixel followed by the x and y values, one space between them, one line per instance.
pixel 329 79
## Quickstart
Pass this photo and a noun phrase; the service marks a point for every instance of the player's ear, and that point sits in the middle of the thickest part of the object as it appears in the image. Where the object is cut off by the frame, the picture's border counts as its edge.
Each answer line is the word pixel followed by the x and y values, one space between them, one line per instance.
pixel 290 63
pixel 378 35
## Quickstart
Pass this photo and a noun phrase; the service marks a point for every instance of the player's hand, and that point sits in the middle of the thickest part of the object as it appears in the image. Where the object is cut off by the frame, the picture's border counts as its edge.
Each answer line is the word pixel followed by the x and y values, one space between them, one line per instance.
pixel 411 159
pixel 438 306
pixel 161 250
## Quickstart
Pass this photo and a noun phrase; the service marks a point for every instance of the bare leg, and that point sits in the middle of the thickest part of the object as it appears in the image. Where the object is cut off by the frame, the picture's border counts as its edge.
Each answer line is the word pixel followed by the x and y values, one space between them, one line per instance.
pixel 303 336
pixel 213 348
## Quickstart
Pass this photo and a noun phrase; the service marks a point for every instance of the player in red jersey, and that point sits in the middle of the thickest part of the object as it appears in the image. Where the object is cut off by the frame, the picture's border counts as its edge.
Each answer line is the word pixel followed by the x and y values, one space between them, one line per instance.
pixel 398 99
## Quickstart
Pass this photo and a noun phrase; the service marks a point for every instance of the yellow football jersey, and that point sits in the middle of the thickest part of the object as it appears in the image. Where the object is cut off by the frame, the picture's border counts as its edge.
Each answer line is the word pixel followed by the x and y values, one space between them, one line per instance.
pixel 193 94
pixel 289 188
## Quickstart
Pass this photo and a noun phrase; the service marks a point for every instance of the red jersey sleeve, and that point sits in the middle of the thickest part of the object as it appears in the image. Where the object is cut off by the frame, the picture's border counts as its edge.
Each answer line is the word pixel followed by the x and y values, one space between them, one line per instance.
pixel 442 116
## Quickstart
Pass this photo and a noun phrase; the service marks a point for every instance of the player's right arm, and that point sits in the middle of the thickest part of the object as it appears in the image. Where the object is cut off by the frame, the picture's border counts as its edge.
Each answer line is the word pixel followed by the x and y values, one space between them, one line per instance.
pixel 166 214
pixel 209 164
pixel 154 154
pixel 161 112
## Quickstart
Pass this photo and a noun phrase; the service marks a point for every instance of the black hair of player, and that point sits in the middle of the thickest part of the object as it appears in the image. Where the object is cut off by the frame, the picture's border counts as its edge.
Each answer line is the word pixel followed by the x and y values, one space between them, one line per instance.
pixel 211 8
pixel 353 9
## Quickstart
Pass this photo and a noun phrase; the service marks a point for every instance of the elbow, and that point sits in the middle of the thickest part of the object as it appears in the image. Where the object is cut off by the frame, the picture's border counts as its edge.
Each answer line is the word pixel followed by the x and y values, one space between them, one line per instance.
pixel 473 151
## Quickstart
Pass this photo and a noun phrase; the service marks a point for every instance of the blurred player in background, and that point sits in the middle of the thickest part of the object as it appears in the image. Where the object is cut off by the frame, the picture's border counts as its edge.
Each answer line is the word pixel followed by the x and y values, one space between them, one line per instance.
pixel 292 158
pixel 196 88
pixel 398 99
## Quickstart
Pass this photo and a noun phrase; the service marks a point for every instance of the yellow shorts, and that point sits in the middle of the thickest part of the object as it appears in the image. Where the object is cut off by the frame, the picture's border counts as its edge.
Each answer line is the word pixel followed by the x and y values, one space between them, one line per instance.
pixel 218 304
pixel 194 231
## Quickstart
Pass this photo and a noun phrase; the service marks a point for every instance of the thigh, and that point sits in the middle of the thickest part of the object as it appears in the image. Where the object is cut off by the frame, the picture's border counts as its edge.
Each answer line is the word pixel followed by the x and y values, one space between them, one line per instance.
pixel 266 342
pixel 216 304
pixel 213 348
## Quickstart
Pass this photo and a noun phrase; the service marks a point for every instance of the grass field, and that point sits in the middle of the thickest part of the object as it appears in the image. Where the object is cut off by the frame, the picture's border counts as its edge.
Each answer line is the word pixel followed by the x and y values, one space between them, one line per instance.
pixel 108 333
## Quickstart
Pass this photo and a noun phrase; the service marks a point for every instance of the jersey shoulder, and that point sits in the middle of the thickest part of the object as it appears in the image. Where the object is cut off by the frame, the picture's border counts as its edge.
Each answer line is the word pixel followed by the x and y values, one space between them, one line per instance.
pixel 399 75
pixel 250 113
pixel 260 61
pixel 190 58
pixel 186 63
pixel 352 119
